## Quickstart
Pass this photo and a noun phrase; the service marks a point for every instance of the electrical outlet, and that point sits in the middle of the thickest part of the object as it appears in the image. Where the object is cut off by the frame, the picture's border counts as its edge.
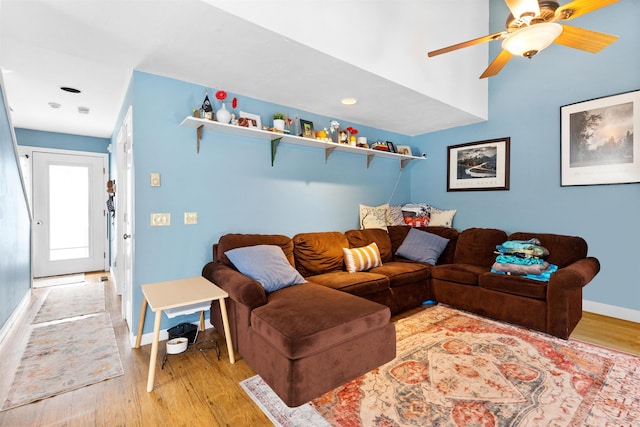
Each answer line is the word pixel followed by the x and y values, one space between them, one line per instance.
pixel 160 219
pixel 191 217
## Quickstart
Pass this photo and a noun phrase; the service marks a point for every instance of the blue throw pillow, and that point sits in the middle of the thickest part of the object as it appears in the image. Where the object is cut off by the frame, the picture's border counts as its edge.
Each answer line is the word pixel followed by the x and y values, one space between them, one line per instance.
pixel 267 265
pixel 422 246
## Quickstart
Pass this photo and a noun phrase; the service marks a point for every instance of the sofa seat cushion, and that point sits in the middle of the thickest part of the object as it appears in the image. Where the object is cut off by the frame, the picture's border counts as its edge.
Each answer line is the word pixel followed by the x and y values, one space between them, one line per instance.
pixel 360 283
pixel 466 274
pixel 514 285
pixel 401 273
pixel 306 319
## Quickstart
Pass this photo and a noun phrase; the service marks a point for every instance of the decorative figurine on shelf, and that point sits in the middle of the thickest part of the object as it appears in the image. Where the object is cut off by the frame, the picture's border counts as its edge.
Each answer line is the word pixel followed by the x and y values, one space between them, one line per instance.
pixel 352 135
pixel 207 110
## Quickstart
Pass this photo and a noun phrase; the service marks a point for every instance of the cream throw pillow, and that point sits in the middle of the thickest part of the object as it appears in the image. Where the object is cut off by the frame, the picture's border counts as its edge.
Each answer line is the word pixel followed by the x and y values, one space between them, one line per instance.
pixel 375 216
pixel 442 218
pixel 362 259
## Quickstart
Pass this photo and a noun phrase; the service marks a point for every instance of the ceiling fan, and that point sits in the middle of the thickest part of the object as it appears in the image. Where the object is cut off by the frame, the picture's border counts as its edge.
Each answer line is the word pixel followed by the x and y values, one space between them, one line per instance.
pixel 533 25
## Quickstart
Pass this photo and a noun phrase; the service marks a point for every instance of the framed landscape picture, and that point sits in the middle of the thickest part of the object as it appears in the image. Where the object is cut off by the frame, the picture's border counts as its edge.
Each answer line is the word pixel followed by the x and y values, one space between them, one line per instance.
pixel 598 142
pixel 481 165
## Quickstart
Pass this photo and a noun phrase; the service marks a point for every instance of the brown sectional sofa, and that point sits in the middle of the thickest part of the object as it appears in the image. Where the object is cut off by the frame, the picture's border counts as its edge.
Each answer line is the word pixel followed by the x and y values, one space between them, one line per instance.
pixel 307 339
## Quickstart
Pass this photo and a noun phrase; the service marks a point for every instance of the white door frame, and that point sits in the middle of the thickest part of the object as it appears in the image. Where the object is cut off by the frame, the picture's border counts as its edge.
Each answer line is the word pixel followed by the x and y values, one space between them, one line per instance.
pixel 123 259
pixel 27 152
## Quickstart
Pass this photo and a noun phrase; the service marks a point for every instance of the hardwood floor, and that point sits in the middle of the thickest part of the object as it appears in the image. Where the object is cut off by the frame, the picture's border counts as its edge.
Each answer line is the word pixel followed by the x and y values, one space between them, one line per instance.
pixel 194 388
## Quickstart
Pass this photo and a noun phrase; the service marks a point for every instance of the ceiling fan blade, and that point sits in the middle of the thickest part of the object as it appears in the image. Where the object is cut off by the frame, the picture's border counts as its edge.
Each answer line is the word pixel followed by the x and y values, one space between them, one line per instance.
pixel 579 38
pixel 497 64
pixel 490 37
pixel 580 7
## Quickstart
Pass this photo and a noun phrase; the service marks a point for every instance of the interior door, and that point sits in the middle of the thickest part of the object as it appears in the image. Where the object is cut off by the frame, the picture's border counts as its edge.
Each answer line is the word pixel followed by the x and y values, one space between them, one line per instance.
pixel 69 200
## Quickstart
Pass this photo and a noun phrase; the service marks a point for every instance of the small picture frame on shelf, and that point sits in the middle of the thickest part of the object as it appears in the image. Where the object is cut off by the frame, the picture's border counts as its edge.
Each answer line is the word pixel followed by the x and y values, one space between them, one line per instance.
pixel 343 136
pixel 392 148
pixel 249 120
pixel 405 150
pixel 306 129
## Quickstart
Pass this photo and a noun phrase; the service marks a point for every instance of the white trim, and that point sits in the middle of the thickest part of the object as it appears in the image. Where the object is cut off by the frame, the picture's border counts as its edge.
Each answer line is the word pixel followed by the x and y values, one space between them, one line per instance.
pixel 612 311
pixel 164 335
pixel 17 314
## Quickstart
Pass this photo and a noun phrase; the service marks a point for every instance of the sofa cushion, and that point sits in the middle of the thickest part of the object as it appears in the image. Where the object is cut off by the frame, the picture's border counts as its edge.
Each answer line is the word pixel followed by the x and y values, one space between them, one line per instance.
pixel 232 241
pixel 362 259
pixel 361 283
pixel 466 274
pixel 397 235
pixel 477 246
pixel 563 250
pixel 422 246
pixel 306 319
pixel 267 265
pixel 514 285
pixel 359 238
pixel 317 253
pixel 401 273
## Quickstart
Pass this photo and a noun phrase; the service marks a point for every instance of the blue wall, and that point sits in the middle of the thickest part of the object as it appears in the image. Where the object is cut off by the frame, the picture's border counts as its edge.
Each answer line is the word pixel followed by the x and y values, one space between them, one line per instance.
pixel 232 185
pixel 15 224
pixel 61 141
pixel 524 104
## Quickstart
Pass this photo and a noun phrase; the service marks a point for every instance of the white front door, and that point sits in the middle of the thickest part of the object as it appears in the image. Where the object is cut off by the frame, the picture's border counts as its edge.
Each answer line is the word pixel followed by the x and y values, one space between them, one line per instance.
pixel 69 207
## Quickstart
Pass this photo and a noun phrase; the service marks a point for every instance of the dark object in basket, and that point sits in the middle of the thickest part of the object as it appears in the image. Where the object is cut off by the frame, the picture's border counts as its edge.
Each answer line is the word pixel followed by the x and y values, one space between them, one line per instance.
pixel 184 330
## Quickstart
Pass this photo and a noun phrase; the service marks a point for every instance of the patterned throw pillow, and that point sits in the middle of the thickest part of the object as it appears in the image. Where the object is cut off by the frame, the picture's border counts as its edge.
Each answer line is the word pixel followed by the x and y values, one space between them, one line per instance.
pixel 396 215
pixel 362 259
pixel 442 218
pixel 375 216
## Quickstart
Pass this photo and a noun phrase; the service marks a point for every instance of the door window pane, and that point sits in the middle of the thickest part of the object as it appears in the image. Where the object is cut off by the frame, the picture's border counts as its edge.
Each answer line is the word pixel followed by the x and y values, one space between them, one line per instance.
pixel 68 212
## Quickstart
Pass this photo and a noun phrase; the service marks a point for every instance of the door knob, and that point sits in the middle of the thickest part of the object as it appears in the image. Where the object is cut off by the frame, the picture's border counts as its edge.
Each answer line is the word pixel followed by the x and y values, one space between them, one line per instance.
pixel 126 236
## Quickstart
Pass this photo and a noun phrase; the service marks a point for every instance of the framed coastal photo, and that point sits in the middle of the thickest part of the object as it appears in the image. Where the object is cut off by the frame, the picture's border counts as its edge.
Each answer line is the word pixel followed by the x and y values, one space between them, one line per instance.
pixel 306 127
pixel 481 165
pixel 251 120
pixel 598 141
pixel 405 150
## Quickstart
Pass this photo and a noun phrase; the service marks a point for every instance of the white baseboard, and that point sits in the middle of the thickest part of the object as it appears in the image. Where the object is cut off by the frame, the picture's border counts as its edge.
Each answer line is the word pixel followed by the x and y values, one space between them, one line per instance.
pixel 611 311
pixel 164 335
pixel 17 314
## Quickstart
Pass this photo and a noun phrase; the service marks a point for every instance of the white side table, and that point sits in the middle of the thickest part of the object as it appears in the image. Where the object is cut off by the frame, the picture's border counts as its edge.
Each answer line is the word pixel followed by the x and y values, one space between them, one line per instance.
pixel 177 297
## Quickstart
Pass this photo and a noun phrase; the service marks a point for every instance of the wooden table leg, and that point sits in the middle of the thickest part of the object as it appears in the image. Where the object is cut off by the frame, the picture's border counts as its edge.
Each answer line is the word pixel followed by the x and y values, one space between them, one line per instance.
pixel 227 333
pixel 202 320
pixel 143 312
pixel 154 351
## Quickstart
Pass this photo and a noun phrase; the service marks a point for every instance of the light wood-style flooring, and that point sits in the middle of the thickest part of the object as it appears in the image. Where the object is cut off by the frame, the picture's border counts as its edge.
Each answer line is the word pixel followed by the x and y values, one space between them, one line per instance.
pixel 194 388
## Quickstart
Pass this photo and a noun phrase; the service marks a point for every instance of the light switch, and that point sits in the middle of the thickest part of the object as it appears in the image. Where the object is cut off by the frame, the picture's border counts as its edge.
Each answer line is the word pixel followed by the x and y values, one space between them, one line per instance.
pixel 191 217
pixel 155 179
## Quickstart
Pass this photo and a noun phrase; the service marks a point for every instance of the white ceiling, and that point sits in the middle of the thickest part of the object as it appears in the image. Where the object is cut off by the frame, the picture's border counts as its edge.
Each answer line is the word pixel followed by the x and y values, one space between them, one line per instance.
pixel 306 55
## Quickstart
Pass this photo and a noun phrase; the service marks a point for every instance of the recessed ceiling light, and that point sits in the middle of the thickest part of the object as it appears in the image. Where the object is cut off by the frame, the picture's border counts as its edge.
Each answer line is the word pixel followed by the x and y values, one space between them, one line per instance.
pixel 54 105
pixel 349 101
pixel 69 89
pixel 83 110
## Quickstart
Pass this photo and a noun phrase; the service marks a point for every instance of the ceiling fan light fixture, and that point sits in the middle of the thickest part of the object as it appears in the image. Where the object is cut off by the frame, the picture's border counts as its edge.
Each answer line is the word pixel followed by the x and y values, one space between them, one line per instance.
pixel 530 40
pixel 524 9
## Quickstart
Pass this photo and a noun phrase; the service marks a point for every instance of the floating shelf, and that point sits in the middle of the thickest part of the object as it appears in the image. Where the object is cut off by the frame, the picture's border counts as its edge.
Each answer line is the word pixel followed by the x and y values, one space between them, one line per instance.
pixel 277 138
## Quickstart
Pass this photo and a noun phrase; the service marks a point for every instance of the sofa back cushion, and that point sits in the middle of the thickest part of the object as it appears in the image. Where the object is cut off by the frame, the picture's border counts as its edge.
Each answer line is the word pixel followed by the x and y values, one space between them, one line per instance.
pixel 233 241
pixel 477 246
pixel 362 238
pixel 563 250
pixel 318 253
pixel 397 234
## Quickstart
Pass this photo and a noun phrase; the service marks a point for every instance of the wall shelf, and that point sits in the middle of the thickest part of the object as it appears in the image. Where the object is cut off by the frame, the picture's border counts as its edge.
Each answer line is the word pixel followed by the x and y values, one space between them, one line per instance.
pixel 277 138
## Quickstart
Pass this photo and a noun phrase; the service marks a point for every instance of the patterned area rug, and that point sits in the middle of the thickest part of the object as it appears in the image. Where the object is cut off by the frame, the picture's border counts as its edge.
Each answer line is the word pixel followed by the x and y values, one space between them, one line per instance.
pixel 274 408
pixel 66 279
pixel 457 369
pixel 65 356
pixel 71 300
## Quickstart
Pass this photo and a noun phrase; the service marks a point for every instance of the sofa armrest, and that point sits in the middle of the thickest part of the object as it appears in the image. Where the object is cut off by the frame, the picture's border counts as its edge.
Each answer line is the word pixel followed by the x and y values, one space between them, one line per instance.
pixel 575 275
pixel 241 289
pixel 564 295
